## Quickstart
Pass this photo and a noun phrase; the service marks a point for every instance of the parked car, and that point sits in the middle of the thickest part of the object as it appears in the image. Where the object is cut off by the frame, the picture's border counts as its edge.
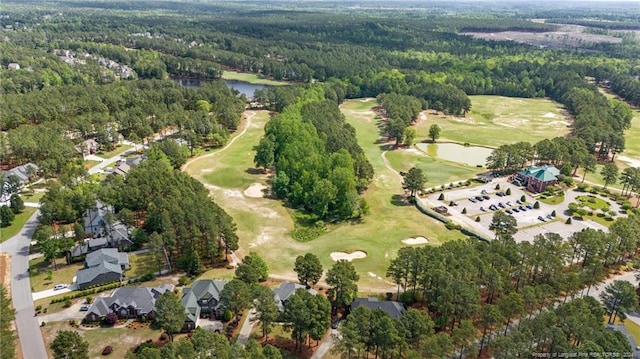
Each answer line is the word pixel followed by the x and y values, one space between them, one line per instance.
pixel 542 219
pixel 516 210
pixel 335 323
pixel 508 211
pixel 486 197
pixel 84 307
pixel 482 209
pixel 473 200
pixel 479 198
pixel 60 286
pixel 522 209
pixel 500 194
pixel 501 205
pixel 508 203
pixel 529 206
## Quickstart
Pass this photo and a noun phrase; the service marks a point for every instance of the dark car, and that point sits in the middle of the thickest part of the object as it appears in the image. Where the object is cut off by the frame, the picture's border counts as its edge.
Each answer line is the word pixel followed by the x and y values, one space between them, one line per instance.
pixel 508 211
pixel 335 323
pixel 486 197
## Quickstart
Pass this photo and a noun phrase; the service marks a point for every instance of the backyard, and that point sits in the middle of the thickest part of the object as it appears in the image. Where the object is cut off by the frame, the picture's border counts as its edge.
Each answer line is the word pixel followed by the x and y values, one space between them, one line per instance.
pixel 39 273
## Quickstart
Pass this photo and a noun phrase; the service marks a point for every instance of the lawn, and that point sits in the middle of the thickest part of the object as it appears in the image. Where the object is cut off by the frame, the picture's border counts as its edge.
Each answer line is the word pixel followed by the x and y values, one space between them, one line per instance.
pixel 592 202
pixel 64 274
pixel 633 147
pixel 141 264
pixel 90 163
pixel 438 171
pixel 118 150
pixel 251 78
pixel 33 197
pixel 497 120
pixel 17 224
pixel 120 339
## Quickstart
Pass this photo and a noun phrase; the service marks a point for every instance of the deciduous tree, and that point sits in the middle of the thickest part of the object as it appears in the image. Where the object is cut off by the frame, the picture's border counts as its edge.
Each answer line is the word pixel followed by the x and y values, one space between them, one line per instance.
pixel 170 314
pixel 308 268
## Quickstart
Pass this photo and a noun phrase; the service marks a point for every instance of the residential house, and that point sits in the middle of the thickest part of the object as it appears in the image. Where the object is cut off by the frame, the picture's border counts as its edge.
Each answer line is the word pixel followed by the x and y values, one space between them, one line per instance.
pixel 88 147
pixel 95 220
pixel 124 166
pixel 24 173
pixel 127 303
pixel 536 179
pixel 202 300
pixel 285 290
pixel 102 266
pixel 394 309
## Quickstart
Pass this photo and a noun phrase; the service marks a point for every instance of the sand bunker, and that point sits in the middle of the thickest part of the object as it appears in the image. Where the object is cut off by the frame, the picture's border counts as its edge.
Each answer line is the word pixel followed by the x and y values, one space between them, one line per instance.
pixel 411 150
pixel 255 190
pixel 416 240
pixel 549 115
pixel 336 256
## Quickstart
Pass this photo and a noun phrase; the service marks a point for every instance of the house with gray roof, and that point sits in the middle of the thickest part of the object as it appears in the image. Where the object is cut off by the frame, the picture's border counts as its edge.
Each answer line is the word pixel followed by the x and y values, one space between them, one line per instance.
pixel 24 173
pixel 285 290
pixel 394 309
pixel 202 300
pixel 94 218
pixel 105 265
pixel 128 303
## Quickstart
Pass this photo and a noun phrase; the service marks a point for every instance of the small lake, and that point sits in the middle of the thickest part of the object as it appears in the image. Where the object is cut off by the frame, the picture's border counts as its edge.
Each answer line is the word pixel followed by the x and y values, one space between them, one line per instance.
pixel 242 87
pixel 470 155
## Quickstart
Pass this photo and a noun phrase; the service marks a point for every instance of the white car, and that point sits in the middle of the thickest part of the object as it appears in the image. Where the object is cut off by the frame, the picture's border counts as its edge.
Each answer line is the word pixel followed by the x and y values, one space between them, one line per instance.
pixel 60 286
pixel 84 307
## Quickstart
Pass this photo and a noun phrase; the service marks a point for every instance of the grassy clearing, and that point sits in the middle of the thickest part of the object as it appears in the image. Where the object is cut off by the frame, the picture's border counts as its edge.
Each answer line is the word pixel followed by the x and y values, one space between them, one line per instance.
pixel 218 273
pixel 593 202
pixel 38 272
pixel 118 150
pixel 89 164
pixel 438 171
pixel 120 339
pixel 33 197
pixel 497 120
pixel 17 224
pixel 250 78
pixel 141 264
pixel 633 146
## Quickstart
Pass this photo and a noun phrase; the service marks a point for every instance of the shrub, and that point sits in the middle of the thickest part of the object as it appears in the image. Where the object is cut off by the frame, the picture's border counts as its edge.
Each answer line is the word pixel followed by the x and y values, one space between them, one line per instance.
pixel 67 302
pixel 408 297
pixel 111 318
pixel 107 350
pixel 89 299
pixel 184 280
pixel 143 319
pixel 227 315
pixel 147 277
pixel 568 221
pixel 43 324
pixel 626 205
pixel 441 197
pixel 164 337
pixel 478 219
pixel 582 187
pixel 229 266
pixel 464 210
pixel 508 192
pixel 38 308
pixel 452 226
pixel 553 214
pixel 523 199
pixel 536 205
pixel 497 187
pixel 612 213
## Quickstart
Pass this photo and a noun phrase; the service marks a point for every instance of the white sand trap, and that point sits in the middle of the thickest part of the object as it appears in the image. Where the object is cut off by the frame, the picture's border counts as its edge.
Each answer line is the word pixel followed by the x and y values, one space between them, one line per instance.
pixel 232 193
pixel 373 275
pixel 549 115
pixel 336 256
pixel 255 190
pixel 207 170
pixel 411 150
pixel 416 240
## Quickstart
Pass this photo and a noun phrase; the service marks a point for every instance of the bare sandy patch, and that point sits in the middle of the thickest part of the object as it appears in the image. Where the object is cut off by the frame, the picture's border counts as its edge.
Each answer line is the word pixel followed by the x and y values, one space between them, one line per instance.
pixel 549 115
pixel 255 190
pixel 336 256
pixel 513 123
pixel 368 99
pixel 207 170
pixel 232 193
pixel 559 123
pixel 632 161
pixel 411 150
pixel 413 241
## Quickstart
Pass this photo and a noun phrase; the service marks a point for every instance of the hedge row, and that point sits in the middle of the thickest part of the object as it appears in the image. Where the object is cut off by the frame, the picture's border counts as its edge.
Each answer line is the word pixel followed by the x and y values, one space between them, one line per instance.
pixel 446 220
pixel 85 293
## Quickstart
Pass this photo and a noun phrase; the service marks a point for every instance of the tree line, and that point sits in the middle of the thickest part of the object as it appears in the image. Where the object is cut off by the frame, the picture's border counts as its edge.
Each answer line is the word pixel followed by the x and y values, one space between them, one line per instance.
pixel 317 164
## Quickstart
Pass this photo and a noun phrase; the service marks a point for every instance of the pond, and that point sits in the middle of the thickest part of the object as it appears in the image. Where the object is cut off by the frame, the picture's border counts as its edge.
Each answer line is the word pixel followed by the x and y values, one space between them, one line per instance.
pixel 470 155
pixel 242 87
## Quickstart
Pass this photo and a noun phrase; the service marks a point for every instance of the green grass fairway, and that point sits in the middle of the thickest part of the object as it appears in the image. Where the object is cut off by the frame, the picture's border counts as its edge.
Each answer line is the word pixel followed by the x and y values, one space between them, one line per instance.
pixel 265 225
pixel 250 78
pixel 631 135
pixel 17 224
pixel 497 120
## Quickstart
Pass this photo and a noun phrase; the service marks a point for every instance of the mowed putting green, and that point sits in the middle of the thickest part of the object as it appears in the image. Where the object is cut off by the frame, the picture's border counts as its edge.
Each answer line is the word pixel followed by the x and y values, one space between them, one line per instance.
pixel 265 225
pixel 498 120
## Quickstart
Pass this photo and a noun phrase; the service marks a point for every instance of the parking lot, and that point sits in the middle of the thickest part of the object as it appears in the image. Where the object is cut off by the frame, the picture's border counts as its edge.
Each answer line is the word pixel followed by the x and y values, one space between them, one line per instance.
pixel 483 201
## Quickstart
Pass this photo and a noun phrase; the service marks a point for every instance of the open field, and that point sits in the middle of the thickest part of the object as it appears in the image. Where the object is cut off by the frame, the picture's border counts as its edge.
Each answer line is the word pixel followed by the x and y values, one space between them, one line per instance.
pixel 265 225
pixel 120 339
pixel 250 78
pixel 497 120
pixel 15 226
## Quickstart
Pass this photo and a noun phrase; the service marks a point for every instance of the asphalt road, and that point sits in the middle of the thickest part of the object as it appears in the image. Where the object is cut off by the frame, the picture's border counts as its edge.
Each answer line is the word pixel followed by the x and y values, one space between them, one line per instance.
pixel 27 324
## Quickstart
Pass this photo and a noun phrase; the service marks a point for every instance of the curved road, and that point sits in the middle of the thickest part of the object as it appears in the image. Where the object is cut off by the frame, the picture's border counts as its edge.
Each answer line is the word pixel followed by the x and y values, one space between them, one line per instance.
pixel 28 329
